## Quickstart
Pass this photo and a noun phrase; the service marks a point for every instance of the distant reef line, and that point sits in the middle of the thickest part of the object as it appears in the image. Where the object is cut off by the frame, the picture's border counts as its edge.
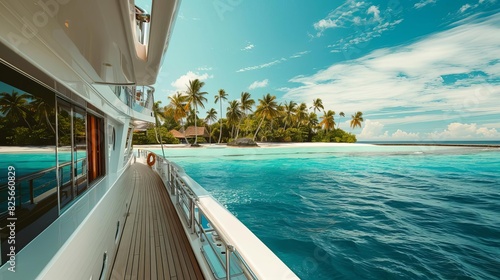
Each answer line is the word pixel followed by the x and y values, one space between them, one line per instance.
pixel 440 144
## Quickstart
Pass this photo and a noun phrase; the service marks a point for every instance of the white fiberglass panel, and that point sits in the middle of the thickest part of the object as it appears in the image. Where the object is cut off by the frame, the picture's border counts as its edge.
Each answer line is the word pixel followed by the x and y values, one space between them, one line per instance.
pixel 263 262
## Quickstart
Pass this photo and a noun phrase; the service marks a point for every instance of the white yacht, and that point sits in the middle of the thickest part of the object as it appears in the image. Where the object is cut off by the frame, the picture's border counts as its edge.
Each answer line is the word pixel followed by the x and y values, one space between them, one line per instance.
pixel 76 202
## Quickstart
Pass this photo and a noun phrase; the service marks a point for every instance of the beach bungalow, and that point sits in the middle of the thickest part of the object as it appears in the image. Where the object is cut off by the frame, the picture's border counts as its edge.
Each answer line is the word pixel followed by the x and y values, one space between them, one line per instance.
pixel 190 133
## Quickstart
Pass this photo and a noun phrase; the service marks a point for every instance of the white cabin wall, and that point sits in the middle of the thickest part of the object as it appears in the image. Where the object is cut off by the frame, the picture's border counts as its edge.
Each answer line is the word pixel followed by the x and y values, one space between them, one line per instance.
pixel 114 160
pixel 81 257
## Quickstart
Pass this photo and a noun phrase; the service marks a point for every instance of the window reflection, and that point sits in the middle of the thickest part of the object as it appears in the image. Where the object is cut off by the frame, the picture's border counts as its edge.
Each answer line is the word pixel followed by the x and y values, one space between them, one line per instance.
pixel 80 150
pixel 48 141
pixel 64 152
pixel 27 143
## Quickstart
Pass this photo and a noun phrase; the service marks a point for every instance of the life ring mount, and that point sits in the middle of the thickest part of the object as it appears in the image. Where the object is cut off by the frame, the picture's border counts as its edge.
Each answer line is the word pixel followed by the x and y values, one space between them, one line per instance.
pixel 151 159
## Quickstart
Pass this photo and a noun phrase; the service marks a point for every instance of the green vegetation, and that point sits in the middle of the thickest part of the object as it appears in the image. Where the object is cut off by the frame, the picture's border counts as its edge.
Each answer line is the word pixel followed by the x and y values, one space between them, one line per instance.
pixel 151 136
pixel 26 120
pixel 271 121
pixel 195 97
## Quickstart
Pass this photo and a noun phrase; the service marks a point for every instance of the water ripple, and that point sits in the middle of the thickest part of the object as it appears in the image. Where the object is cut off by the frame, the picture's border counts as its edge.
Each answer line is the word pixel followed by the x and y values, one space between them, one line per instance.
pixel 375 216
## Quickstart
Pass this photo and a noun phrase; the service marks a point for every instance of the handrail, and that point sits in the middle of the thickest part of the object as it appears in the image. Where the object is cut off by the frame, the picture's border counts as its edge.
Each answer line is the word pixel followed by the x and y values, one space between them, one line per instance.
pixel 36 175
pixel 246 256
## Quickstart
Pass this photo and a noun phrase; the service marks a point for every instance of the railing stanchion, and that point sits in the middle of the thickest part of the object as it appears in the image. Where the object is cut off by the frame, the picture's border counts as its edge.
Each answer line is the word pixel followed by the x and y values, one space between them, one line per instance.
pixel 32 193
pixel 229 248
pixel 199 221
pixel 192 215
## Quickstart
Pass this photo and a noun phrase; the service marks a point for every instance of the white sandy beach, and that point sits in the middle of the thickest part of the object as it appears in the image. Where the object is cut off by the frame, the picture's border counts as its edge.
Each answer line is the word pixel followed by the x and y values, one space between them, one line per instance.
pixel 261 145
pixel 51 149
pixel 26 149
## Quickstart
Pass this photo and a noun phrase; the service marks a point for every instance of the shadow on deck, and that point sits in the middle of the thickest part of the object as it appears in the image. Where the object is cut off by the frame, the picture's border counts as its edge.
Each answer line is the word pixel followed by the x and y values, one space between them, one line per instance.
pixel 153 243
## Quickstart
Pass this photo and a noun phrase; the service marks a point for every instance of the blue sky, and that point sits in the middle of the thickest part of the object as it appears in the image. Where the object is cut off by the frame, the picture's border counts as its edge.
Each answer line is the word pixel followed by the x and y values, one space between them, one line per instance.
pixel 417 69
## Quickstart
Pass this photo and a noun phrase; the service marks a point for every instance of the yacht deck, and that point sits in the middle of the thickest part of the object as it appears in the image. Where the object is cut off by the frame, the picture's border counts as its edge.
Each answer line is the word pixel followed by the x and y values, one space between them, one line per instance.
pixel 153 244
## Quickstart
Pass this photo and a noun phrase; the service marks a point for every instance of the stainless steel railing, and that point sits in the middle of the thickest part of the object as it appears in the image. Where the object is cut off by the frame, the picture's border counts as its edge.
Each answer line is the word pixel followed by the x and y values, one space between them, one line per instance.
pixel 142 20
pixel 48 186
pixel 135 97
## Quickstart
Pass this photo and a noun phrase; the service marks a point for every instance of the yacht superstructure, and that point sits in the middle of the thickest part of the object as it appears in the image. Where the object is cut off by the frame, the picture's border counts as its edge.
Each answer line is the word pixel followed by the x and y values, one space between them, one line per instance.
pixel 75 82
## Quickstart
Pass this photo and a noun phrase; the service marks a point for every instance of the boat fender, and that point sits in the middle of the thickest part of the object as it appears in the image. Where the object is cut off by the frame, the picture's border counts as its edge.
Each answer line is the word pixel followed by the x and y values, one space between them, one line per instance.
pixel 151 159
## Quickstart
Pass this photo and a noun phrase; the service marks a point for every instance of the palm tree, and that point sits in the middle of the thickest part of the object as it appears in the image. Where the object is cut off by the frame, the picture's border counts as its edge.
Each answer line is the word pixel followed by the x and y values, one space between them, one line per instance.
pixel 312 120
pixel 195 97
pixel 42 109
pixel 342 115
pixel 268 109
pixel 317 104
pixel 209 119
pixel 289 112
pixel 15 106
pixel 233 114
pixel 178 108
pixel 158 113
pixel 301 114
pixel 246 104
pixel 357 119
pixel 312 124
pixel 328 120
pixel 222 95
pixel 159 117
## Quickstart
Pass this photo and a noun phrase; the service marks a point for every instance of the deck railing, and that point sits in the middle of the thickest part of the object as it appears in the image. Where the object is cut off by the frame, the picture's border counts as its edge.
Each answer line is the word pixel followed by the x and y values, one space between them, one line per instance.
pixel 46 185
pixel 228 247
pixel 137 98
pixel 142 20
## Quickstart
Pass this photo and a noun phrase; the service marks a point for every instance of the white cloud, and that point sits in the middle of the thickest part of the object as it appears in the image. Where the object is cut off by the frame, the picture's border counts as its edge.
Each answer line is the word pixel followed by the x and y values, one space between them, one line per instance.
pixel 365 36
pixel 248 47
pixel 423 3
pixel 259 84
pixel 421 77
pixel 182 82
pixel 375 130
pixel 488 133
pixel 272 63
pixel 375 11
pixel 265 65
pixel 465 8
pixel 461 131
pixel 325 24
pixel 340 17
pixel 352 14
pixel 205 68
pixel 403 135
pixel 283 89
pixel 299 54
pixel 468 7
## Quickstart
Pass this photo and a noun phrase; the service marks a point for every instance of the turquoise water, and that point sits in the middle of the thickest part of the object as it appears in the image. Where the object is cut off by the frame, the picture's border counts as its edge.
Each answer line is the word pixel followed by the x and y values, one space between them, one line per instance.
pixel 362 212
pixel 29 163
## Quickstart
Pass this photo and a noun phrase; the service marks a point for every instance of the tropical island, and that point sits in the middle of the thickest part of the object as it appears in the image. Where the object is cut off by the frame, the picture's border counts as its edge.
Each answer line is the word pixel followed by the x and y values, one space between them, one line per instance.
pixel 269 122
pixel 30 120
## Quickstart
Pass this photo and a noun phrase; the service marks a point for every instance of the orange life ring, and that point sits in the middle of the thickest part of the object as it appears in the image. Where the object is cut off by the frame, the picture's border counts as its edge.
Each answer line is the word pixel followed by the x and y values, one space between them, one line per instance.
pixel 151 159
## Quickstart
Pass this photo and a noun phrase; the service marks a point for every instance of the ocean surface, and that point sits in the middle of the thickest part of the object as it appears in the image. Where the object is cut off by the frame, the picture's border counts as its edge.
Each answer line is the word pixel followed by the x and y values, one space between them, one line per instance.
pixel 363 212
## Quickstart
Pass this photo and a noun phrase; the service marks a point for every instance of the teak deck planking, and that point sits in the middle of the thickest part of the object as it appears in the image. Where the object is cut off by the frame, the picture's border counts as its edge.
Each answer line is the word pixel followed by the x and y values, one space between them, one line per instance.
pixel 153 244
